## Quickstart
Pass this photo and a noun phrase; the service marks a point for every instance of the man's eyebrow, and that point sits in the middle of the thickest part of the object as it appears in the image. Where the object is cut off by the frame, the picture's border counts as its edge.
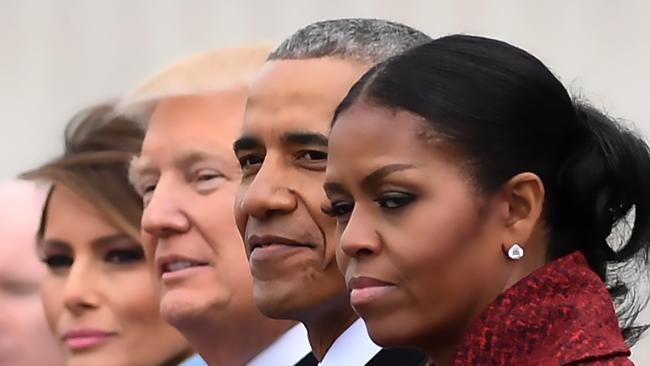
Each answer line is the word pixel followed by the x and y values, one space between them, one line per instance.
pixel 246 143
pixel 305 138
pixel 141 166
pixel 194 155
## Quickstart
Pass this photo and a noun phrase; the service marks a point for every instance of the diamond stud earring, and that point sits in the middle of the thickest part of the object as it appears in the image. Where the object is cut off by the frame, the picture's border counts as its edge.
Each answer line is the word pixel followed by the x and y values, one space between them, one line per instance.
pixel 516 252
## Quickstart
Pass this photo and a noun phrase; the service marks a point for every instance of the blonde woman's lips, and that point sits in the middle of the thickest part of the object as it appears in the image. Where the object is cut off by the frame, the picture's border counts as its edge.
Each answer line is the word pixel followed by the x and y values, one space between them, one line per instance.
pixel 82 339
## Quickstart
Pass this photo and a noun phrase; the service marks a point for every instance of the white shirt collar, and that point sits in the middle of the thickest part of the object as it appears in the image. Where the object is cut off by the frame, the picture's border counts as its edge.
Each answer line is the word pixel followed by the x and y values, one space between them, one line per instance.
pixel 353 347
pixel 195 360
pixel 290 348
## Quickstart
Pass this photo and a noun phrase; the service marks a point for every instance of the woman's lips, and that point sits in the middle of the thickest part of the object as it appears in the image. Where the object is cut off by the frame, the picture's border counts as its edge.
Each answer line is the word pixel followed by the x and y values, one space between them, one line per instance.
pixel 365 290
pixel 78 340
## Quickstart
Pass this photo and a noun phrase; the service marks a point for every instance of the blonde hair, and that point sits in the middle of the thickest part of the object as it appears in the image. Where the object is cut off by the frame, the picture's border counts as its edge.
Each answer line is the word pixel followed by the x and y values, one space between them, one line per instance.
pixel 203 73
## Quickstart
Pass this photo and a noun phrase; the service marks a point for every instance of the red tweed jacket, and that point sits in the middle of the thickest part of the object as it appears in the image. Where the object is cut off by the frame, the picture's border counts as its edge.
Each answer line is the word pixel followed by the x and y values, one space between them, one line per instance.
pixel 560 314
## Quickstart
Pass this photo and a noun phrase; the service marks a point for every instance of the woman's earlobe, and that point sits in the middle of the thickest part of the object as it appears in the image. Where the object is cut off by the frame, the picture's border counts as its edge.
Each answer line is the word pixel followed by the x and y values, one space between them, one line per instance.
pixel 513 251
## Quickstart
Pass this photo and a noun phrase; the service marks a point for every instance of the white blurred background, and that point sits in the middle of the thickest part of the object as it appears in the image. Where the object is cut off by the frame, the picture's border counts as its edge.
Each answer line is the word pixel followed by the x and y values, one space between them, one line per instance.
pixel 58 56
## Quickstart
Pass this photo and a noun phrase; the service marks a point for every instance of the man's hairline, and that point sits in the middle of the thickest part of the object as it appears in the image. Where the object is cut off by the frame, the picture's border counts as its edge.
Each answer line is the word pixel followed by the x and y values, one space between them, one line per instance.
pixel 151 106
pixel 141 109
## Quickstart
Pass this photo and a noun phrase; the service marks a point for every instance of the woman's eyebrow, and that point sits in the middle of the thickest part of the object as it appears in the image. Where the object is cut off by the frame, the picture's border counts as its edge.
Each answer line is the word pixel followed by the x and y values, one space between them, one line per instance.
pixel 106 240
pixel 377 175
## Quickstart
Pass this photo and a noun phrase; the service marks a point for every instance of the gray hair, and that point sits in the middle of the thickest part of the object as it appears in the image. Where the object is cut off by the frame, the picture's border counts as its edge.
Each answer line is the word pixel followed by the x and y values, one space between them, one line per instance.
pixel 356 39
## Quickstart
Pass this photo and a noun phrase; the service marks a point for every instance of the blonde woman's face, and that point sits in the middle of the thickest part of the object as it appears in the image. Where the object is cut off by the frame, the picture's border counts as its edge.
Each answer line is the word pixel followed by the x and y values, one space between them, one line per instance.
pixel 97 294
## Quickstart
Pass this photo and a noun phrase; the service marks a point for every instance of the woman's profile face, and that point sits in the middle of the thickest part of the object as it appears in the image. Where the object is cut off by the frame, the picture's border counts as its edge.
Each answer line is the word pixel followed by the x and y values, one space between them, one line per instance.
pixel 97 293
pixel 419 247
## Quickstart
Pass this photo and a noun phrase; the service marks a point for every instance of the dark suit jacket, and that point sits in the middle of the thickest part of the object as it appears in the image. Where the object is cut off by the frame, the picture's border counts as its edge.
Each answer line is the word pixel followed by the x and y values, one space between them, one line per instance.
pixel 398 357
pixel 386 357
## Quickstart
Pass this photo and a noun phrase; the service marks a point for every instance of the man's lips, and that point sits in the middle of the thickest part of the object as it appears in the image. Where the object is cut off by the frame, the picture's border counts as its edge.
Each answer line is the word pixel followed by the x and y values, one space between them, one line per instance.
pixel 257 241
pixel 80 339
pixel 270 248
pixel 366 290
pixel 175 263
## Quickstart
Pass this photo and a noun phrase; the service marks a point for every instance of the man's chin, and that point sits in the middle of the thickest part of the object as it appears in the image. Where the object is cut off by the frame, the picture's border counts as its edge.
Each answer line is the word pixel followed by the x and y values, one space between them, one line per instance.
pixel 184 309
pixel 278 307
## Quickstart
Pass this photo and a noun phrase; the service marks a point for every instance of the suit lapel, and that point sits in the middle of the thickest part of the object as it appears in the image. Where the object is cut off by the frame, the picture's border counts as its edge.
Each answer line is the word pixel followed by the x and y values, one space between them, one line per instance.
pixel 308 360
pixel 398 357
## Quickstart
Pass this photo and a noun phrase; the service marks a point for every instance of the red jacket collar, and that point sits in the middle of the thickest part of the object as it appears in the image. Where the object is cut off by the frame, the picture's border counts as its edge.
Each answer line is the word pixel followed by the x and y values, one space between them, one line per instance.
pixel 560 313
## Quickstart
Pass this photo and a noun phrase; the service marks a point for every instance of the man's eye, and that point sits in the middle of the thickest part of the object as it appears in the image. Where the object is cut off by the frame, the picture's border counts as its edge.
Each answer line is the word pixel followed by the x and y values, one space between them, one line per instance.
pixel 207 176
pixel 313 155
pixel 146 192
pixel 248 161
pixel 58 261
pixel 124 256
pixel 147 188
pixel 395 200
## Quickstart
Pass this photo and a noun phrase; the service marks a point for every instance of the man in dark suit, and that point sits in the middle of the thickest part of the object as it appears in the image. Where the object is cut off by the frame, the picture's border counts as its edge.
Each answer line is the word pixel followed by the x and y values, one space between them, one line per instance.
pixel 283 151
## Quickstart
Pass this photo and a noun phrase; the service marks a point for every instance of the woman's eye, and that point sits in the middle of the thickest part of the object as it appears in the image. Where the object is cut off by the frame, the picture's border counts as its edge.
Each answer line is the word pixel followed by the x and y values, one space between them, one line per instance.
pixel 248 161
pixel 123 256
pixel 395 200
pixel 58 261
pixel 313 155
pixel 339 209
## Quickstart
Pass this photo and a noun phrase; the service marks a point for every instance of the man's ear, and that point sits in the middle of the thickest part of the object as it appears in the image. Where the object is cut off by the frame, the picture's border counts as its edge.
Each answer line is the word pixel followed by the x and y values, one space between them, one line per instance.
pixel 524 194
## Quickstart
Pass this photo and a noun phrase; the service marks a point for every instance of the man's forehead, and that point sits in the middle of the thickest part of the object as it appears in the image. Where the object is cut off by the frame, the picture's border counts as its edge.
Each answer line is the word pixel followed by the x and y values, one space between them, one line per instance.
pixel 327 78
pixel 198 107
pixel 200 121
pixel 184 155
pixel 281 124
pixel 297 97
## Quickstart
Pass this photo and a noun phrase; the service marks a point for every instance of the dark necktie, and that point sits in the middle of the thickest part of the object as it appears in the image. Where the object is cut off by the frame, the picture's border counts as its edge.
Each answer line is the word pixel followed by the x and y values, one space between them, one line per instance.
pixel 308 360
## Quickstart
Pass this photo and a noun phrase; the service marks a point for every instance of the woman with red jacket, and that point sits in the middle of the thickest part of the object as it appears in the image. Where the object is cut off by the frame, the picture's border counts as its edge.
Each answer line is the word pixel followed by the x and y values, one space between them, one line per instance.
pixel 478 209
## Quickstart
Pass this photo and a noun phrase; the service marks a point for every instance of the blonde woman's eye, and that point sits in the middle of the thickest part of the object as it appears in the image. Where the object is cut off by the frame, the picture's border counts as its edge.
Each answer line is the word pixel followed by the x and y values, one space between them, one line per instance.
pixel 57 261
pixel 124 256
